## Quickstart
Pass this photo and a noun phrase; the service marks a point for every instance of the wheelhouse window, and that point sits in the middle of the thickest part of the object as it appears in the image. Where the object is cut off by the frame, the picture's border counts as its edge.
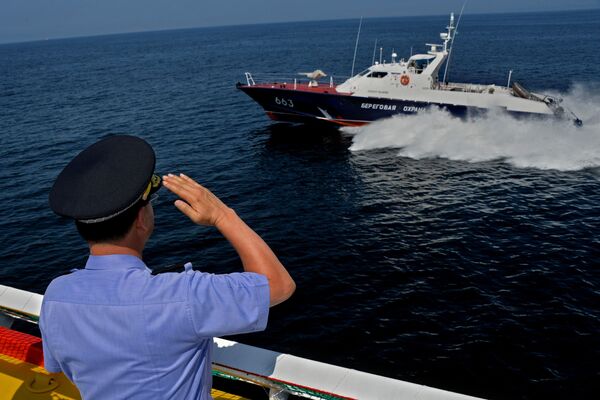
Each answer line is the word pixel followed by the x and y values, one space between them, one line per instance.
pixel 419 62
pixel 377 74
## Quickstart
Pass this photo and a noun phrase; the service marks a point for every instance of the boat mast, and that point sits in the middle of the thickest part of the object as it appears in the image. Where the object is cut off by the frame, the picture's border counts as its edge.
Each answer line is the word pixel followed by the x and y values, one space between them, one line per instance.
pixel 509 76
pixel 356 45
pixel 451 33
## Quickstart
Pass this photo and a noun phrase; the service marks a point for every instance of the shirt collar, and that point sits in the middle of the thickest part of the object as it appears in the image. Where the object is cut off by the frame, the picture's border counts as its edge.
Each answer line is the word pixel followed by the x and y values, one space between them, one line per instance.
pixel 115 262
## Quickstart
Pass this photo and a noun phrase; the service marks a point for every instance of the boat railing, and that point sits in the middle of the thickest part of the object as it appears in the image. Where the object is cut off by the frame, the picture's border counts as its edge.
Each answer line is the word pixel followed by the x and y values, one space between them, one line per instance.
pixel 279 373
pixel 296 81
pixel 471 88
pixel 249 79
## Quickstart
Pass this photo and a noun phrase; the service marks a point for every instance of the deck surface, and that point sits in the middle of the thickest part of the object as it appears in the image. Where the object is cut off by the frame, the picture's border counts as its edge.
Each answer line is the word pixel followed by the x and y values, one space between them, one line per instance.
pixel 20 380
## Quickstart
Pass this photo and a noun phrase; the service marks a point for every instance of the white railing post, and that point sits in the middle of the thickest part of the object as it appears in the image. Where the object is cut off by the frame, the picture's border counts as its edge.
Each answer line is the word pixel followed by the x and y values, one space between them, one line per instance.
pixel 6 321
pixel 295 83
pixel 278 394
pixel 249 79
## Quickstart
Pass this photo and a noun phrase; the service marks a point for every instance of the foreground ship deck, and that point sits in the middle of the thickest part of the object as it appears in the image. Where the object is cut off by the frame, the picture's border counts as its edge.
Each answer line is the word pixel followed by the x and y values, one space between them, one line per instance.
pixel 22 375
pixel 397 87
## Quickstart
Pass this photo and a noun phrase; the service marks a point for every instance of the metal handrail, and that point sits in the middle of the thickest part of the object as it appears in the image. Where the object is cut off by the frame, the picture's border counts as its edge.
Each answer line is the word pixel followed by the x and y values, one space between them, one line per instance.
pixel 276 78
pixel 249 79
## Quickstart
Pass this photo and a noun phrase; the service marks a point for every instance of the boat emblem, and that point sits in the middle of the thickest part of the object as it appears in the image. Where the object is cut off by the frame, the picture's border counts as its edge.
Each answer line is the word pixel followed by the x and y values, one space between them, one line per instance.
pixel 404 80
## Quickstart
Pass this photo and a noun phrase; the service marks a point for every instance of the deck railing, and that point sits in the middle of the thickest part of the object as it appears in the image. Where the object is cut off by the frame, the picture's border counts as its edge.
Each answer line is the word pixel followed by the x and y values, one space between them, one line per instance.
pixel 472 87
pixel 273 78
pixel 281 374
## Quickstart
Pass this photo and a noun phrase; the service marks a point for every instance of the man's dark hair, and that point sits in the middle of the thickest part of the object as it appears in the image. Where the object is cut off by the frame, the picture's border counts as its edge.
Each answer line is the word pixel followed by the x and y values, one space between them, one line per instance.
pixel 110 230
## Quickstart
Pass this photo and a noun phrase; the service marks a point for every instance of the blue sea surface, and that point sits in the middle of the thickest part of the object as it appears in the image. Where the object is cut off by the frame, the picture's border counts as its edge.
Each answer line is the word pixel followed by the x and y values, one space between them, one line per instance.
pixel 465 257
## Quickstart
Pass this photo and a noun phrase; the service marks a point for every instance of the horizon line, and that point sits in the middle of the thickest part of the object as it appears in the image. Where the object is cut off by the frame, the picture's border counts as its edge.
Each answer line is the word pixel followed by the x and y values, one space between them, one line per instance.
pixel 278 22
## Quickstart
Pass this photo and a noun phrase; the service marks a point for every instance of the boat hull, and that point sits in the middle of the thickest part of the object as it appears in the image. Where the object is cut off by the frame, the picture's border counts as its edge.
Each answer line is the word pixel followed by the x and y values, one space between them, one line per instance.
pixel 282 103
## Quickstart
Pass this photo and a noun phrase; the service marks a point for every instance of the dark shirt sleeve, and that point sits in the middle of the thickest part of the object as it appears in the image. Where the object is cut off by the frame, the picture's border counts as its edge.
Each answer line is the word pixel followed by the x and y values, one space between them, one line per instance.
pixel 228 304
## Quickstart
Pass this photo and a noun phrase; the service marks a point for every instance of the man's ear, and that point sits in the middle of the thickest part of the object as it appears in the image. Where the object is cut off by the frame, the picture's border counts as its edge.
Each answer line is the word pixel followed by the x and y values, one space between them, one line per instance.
pixel 141 220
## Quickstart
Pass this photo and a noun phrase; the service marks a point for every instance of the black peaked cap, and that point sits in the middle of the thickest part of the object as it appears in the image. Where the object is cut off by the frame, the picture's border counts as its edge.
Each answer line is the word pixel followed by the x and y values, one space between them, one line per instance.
pixel 104 180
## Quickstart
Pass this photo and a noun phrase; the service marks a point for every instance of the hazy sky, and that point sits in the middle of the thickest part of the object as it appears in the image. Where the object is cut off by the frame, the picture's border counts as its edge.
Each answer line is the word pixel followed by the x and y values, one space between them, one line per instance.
pixel 22 20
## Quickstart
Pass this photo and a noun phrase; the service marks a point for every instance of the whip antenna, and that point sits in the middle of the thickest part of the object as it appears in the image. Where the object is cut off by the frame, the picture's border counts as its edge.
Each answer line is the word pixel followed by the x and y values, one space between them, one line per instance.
pixel 374 50
pixel 356 45
pixel 452 45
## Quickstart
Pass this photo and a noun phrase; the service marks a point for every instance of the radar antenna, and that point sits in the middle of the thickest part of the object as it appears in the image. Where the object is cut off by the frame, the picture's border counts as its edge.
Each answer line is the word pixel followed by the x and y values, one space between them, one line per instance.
pixel 313 76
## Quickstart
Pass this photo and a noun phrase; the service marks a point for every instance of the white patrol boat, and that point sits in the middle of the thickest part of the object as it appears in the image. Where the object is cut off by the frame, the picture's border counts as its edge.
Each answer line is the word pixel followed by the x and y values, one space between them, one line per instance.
pixel 397 87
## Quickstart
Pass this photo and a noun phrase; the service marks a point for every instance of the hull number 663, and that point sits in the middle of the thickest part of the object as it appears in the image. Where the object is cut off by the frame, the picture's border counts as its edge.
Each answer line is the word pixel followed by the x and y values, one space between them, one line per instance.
pixel 284 102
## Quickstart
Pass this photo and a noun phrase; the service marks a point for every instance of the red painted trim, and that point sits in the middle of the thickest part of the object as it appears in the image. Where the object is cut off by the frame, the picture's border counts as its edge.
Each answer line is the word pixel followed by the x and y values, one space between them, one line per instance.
pixel 21 346
pixel 348 123
pixel 301 87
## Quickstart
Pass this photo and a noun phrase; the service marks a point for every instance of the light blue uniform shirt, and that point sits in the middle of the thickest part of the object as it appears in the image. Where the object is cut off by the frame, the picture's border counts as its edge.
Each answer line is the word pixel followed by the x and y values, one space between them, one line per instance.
pixel 119 332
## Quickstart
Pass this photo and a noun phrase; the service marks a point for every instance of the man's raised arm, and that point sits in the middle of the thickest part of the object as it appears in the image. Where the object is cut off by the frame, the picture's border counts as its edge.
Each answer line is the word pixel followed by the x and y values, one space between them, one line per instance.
pixel 204 208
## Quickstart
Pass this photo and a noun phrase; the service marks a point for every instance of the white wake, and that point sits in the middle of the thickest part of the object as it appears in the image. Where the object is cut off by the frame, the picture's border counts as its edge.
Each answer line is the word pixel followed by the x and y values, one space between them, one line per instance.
pixel 535 143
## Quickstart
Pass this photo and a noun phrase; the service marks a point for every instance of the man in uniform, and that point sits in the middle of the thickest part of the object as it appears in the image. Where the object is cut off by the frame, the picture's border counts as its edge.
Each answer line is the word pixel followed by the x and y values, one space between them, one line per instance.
pixel 116 330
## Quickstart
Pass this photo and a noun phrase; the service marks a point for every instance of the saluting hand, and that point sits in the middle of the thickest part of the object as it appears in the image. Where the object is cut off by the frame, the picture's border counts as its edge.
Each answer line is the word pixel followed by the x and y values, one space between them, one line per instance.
pixel 196 201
